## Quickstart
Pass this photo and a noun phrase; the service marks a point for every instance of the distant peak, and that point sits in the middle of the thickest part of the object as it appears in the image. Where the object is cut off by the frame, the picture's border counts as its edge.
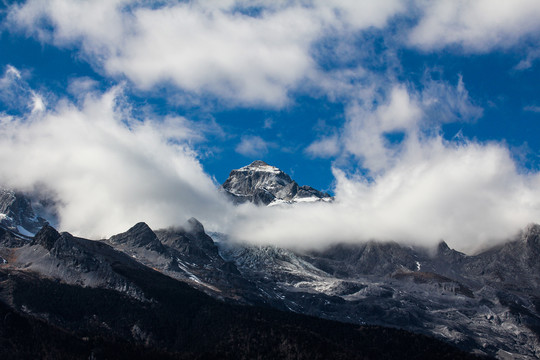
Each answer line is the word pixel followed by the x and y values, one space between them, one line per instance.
pixel 139 227
pixel 532 229
pixel 194 225
pixel 259 165
pixel 261 183
pixel 443 246
pixel 140 235
pixel 46 237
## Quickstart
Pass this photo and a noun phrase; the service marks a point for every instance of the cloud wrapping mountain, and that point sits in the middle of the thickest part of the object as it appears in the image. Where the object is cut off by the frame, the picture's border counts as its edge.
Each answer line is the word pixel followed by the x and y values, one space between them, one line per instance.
pixel 106 169
pixel 469 195
pixel 396 175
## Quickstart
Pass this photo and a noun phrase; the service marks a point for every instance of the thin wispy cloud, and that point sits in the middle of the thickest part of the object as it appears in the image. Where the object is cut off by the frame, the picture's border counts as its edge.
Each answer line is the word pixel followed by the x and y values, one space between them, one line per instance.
pixel 532 108
pixel 252 146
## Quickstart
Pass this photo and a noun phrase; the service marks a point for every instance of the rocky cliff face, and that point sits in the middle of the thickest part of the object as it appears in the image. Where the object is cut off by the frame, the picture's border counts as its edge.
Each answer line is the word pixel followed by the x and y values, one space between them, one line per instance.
pixel 263 184
pixel 17 213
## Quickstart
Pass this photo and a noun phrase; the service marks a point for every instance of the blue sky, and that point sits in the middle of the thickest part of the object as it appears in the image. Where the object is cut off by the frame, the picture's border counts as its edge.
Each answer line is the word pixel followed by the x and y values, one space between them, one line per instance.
pixel 357 98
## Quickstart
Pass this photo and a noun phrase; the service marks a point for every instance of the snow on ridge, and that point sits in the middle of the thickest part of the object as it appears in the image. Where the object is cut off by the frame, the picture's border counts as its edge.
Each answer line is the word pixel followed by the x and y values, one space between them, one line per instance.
pixel 24 232
pixel 295 200
pixel 260 166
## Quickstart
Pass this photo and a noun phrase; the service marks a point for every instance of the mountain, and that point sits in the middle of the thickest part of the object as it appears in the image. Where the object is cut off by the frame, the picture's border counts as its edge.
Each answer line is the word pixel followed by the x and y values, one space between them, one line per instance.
pixel 17 213
pixel 182 292
pixel 442 293
pixel 263 184
pixel 73 298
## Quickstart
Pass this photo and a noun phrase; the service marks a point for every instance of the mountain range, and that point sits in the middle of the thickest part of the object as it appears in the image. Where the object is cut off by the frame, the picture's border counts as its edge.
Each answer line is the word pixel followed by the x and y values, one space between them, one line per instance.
pixel 183 292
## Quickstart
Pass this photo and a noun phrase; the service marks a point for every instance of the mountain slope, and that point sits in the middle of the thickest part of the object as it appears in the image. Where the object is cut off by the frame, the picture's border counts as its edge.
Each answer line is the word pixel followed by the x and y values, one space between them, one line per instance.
pixel 166 318
pixel 17 213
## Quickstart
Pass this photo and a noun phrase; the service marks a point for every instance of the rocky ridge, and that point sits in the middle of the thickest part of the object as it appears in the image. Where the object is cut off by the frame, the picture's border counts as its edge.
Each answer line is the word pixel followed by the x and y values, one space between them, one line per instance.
pixel 99 302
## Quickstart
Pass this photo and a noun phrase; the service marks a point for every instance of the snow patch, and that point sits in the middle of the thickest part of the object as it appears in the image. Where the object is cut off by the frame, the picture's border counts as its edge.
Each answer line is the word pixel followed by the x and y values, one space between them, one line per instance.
pixel 261 168
pixel 24 232
pixel 297 200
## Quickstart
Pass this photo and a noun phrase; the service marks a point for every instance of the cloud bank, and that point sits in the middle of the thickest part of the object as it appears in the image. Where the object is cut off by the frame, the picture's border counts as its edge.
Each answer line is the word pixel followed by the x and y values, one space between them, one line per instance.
pixel 469 195
pixel 419 190
pixel 106 169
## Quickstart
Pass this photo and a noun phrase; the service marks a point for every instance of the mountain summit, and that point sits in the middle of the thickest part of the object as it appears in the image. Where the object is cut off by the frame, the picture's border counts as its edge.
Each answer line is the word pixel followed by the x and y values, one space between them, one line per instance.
pixel 263 184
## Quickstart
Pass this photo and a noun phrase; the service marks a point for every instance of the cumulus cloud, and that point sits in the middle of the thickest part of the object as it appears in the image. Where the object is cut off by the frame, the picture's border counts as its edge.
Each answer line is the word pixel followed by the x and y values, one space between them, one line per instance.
pixel 365 129
pixel 477 26
pixel 201 47
pixel 106 169
pixel 324 147
pixel 380 122
pixel 252 52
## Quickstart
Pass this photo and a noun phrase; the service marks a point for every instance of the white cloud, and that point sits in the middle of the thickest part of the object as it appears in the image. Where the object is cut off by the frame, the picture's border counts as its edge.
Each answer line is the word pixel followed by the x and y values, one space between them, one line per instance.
pixel 444 103
pixel 421 191
pixel 38 104
pixel 532 108
pixel 111 170
pixel 268 123
pixel 469 195
pixel 395 109
pixel 477 26
pixel 15 94
pixel 79 87
pixel 220 49
pixel 532 56
pixel 364 132
pixel 252 146
pixel 324 147
pixel 11 72
pixel 107 169
pixel 202 47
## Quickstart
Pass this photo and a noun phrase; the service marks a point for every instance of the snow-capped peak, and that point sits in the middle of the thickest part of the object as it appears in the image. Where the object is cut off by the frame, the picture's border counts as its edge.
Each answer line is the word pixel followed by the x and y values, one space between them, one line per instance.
pixel 264 184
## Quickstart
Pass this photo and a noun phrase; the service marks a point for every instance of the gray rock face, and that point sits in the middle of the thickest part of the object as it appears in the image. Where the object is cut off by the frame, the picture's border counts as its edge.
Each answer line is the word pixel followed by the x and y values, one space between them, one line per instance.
pixel 371 258
pixel 17 213
pixel 263 184
pixel 185 253
pixel 514 264
pixel 487 303
pixel 8 239
pixel 46 237
pixel 139 235
pixel 73 261
pixel 190 240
